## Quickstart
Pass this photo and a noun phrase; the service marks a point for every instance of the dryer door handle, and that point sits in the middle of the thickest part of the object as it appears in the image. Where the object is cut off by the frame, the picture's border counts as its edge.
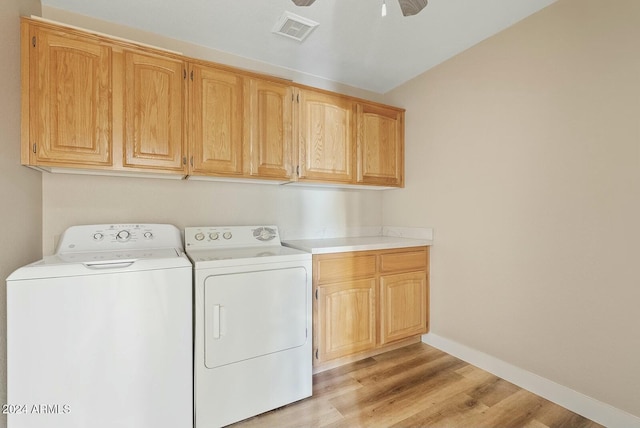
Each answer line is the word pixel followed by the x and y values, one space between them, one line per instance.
pixel 217 311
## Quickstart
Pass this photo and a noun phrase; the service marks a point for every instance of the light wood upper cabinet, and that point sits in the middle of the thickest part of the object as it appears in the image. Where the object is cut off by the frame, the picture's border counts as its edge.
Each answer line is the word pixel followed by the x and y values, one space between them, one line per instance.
pixel 380 145
pixel 67 114
pixel 326 137
pixel 96 102
pixel 268 129
pixel 154 111
pixel 216 113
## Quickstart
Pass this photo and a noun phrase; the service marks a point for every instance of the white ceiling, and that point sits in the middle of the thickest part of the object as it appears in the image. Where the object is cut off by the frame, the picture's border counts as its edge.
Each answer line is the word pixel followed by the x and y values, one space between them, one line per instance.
pixel 353 44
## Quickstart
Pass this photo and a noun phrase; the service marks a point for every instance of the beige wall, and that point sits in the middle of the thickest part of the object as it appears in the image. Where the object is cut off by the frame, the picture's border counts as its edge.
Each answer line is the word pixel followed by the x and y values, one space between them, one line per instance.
pixel 523 153
pixel 73 199
pixel 20 187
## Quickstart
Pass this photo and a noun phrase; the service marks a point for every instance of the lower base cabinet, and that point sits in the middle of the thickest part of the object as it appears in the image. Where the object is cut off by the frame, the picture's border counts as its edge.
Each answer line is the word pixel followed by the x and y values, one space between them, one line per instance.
pixel 368 300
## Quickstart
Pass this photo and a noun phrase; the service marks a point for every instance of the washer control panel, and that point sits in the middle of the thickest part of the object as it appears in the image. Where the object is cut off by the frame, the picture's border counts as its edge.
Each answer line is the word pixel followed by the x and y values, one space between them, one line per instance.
pixel 109 237
pixel 207 237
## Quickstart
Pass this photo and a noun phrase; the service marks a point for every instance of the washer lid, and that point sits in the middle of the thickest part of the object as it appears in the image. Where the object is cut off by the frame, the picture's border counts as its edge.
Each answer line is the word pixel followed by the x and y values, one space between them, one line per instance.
pixel 101 263
pixel 109 248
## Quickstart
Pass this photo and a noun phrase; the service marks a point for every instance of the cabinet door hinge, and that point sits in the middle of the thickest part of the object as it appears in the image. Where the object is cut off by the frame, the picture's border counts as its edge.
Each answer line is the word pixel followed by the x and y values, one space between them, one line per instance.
pixel 35 148
pixel 33 41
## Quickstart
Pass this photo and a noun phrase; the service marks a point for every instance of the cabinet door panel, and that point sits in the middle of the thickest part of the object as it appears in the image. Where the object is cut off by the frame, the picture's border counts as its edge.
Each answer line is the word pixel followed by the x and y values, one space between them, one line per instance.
pixel 154 103
pixel 70 101
pixel 346 318
pixel 326 141
pixel 216 114
pixel 268 120
pixel 380 143
pixel 403 305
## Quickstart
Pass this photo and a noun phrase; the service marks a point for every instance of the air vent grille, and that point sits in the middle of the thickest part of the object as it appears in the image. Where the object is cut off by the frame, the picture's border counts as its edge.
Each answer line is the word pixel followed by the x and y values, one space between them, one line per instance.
pixel 294 26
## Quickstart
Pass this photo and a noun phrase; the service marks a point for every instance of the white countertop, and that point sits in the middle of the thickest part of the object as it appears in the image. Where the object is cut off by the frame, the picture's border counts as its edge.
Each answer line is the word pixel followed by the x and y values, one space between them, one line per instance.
pixel 360 243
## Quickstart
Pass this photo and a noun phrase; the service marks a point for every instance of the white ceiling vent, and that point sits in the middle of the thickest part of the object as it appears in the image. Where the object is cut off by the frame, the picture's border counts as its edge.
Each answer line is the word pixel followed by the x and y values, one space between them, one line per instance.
pixel 294 26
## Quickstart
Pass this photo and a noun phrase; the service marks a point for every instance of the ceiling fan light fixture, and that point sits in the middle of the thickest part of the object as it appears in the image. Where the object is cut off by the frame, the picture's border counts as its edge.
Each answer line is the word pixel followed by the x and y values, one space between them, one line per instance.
pixel 412 7
pixel 384 8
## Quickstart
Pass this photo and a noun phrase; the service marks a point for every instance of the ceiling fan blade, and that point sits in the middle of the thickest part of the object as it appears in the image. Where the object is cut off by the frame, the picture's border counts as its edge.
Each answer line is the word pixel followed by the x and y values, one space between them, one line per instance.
pixel 411 7
pixel 303 2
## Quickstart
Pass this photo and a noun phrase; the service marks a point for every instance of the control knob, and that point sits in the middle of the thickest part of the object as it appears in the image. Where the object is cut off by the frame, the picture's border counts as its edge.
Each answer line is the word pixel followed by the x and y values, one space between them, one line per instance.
pixel 123 235
pixel 214 236
pixel 199 236
pixel 227 235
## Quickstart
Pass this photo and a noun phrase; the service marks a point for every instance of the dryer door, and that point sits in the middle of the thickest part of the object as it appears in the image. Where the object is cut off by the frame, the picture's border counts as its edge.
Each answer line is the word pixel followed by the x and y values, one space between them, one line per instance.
pixel 250 314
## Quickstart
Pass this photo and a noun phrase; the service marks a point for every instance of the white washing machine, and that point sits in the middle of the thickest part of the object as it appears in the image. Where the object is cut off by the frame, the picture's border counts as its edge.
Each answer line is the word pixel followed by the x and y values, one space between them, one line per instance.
pixel 252 322
pixel 100 334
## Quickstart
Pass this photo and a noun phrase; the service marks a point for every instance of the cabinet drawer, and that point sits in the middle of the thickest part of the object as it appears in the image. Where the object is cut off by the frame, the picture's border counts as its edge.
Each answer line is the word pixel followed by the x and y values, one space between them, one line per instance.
pixel 404 260
pixel 328 269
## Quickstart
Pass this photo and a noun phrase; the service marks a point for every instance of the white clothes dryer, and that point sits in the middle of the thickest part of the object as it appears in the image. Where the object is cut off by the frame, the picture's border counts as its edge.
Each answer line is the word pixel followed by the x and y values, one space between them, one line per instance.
pixel 253 350
pixel 100 334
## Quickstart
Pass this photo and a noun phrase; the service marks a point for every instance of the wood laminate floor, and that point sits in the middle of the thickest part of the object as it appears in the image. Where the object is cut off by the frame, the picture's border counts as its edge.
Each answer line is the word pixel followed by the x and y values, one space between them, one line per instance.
pixel 417 386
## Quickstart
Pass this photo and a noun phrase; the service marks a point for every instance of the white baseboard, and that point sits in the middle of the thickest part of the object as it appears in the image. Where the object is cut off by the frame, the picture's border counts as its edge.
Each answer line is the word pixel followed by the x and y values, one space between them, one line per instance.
pixel 588 407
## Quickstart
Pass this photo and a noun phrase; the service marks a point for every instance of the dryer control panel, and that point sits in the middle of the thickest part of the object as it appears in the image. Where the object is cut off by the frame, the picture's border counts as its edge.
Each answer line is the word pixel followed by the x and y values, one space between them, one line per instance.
pixel 212 237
